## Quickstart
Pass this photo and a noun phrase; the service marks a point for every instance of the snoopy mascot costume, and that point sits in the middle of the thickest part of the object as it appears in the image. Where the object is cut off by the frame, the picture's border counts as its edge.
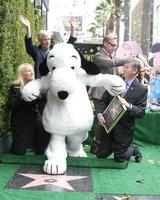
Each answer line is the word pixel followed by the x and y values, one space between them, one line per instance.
pixel 68 113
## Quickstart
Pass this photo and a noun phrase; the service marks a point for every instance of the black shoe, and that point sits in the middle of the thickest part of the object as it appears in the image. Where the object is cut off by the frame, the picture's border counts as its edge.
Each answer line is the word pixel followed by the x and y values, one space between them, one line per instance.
pixel 137 154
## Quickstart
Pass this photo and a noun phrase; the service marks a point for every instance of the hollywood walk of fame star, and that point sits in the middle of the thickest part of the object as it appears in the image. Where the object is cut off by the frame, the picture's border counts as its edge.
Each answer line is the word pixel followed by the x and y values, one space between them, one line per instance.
pixel 56 180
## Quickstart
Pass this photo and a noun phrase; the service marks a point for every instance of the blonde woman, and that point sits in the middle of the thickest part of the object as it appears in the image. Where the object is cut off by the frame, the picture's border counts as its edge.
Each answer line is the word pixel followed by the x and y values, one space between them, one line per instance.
pixel 25 118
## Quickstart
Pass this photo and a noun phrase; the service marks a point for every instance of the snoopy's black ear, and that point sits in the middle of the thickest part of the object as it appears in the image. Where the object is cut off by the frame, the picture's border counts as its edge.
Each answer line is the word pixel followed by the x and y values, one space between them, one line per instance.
pixel 43 69
pixel 90 67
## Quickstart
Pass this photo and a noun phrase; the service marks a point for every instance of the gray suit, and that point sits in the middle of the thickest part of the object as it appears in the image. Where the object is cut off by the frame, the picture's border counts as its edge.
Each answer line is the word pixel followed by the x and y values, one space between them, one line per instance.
pixel 106 64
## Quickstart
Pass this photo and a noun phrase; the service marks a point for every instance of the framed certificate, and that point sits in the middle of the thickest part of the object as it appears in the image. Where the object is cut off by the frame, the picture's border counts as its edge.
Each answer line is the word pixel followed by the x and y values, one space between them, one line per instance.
pixel 113 113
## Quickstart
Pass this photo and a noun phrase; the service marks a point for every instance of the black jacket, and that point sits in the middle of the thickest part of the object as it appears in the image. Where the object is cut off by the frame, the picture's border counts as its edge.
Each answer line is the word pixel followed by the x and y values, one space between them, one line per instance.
pixel 39 56
pixel 137 96
pixel 22 120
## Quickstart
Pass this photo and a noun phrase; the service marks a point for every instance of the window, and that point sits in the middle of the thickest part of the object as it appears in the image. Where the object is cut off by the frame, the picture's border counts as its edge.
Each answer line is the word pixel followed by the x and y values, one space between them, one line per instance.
pixel 44 15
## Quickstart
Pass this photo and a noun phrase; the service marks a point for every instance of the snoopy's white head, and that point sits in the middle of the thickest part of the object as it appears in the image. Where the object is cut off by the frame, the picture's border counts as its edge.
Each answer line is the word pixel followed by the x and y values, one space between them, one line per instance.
pixel 64 63
pixel 63 55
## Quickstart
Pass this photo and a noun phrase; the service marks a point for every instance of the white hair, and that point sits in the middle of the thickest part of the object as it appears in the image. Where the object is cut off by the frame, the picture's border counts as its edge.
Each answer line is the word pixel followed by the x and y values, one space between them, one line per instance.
pixel 43 33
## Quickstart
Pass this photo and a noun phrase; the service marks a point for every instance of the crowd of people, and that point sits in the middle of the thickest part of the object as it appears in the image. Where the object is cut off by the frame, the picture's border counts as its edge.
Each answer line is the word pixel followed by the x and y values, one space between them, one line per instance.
pixel 26 117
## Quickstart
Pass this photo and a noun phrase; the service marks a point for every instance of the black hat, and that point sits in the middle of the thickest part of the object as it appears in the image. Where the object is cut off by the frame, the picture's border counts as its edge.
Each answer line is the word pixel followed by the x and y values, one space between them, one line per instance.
pixel 155 48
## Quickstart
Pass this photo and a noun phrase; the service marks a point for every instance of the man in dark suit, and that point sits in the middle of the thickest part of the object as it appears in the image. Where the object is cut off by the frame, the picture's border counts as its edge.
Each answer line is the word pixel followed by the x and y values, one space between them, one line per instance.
pixel 120 139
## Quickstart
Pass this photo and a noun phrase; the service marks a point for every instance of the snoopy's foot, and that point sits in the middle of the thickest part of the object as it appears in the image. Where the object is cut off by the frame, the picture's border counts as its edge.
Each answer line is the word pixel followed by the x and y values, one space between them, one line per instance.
pixel 54 167
pixel 80 153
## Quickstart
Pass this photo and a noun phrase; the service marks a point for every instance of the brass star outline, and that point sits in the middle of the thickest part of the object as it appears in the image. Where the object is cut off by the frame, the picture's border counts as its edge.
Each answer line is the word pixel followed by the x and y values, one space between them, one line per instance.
pixel 56 180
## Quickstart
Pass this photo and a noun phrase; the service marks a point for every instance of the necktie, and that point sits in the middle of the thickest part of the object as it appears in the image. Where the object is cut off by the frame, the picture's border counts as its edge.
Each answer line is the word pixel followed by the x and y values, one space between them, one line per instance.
pixel 127 86
pixel 125 91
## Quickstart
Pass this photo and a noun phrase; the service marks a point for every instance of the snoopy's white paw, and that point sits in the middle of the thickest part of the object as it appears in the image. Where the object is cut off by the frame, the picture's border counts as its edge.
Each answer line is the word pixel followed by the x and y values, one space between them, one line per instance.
pixel 80 153
pixel 83 154
pixel 54 167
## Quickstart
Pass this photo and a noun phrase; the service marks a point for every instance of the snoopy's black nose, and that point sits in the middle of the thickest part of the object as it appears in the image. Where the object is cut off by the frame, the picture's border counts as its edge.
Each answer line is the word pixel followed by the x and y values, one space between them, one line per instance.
pixel 63 94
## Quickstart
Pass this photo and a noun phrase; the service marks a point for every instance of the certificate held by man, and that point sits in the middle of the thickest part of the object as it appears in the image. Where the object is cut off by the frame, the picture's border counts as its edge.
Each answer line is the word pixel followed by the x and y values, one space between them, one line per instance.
pixel 113 113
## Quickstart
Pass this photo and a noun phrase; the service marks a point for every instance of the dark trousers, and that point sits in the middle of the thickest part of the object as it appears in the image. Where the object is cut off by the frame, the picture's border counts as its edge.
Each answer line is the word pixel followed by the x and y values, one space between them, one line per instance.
pixel 38 144
pixel 41 137
pixel 108 145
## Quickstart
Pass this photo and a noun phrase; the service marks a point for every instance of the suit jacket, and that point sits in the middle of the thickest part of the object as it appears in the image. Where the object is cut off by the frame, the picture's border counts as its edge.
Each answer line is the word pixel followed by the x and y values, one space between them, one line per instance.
pixel 107 65
pixel 137 96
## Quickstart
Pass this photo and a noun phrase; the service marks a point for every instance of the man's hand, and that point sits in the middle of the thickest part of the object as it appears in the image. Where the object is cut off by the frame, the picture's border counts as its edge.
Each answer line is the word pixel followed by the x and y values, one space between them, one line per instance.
pixel 101 120
pixel 25 21
pixel 26 24
pixel 123 102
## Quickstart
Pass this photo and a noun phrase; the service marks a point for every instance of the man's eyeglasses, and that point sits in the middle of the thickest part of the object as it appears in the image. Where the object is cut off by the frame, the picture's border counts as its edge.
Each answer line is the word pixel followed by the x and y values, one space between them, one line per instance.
pixel 113 45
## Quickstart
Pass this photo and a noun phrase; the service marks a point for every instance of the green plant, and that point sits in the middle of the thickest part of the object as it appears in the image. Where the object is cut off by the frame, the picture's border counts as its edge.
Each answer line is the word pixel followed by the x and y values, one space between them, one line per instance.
pixel 105 16
pixel 12 49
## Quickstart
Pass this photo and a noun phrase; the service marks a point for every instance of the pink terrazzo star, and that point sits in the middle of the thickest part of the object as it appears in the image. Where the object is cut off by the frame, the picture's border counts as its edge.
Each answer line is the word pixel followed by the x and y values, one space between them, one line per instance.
pixel 56 180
